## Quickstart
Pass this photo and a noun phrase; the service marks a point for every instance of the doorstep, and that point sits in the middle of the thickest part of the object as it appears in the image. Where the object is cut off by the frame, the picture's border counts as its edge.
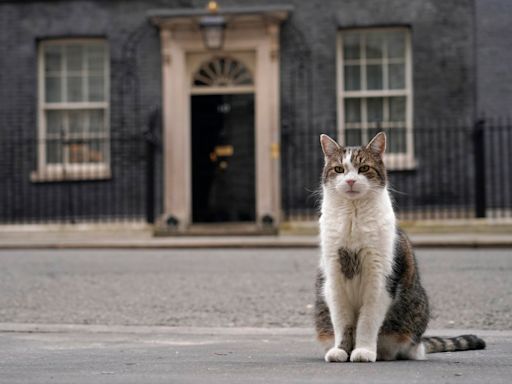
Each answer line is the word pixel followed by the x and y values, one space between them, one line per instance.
pixel 217 229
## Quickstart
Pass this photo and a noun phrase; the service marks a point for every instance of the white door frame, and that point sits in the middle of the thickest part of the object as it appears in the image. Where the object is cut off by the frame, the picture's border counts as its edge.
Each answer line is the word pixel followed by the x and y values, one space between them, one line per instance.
pixel 179 39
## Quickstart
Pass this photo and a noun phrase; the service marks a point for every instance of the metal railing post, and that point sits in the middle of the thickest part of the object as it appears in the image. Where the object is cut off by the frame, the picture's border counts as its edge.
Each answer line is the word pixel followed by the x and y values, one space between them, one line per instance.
pixel 479 165
pixel 150 182
pixel 151 145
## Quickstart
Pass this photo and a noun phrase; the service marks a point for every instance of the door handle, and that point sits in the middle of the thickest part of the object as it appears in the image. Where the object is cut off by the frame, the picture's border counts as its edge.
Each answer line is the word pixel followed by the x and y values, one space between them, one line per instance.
pixel 224 150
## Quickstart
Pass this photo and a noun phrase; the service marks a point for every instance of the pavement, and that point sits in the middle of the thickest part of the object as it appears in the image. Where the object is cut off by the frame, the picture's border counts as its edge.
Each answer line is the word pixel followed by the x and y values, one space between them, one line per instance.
pixel 468 288
pixel 225 315
pixel 95 354
pixel 141 237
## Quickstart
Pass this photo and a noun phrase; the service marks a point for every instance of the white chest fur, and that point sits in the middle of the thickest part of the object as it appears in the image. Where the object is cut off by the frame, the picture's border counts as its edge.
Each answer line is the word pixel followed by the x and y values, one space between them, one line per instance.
pixel 366 227
pixel 358 224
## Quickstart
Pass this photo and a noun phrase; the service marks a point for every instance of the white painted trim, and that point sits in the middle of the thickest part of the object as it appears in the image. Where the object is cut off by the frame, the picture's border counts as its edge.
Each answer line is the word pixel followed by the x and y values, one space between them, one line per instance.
pixel 73 106
pixel 275 119
pixel 167 119
pixel 374 93
pixel 222 90
pixel 409 99
pixel 41 126
pixel 78 172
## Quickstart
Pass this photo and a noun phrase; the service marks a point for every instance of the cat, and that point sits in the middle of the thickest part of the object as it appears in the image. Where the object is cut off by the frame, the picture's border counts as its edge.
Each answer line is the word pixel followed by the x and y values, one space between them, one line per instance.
pixel 370 304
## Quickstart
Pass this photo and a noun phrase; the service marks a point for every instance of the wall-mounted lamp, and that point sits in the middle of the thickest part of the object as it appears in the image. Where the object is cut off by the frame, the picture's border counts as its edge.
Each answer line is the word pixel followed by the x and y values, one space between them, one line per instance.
pixel 212 27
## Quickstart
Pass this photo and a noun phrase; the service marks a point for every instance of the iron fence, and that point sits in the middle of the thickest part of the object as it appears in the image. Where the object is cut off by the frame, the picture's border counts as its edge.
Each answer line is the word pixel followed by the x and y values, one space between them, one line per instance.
pixel 77 180
pixel 437 171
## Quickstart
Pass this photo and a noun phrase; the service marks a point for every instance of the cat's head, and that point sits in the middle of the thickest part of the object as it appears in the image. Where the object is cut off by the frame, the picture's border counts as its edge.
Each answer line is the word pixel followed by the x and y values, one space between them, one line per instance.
pixel 354 172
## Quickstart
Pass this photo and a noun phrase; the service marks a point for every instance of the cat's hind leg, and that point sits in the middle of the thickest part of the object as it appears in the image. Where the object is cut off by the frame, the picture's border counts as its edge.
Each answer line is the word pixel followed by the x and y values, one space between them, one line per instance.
pixel 417 352
pixel 396 346
pixel 325 339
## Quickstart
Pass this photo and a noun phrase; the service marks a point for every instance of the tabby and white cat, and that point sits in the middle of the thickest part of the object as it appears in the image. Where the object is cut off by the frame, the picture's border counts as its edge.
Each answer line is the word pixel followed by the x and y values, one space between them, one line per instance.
pixel 370 304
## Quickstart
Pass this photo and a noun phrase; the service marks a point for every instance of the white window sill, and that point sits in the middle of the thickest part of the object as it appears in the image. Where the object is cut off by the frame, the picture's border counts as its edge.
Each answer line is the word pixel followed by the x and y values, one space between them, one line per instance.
pixel 46 175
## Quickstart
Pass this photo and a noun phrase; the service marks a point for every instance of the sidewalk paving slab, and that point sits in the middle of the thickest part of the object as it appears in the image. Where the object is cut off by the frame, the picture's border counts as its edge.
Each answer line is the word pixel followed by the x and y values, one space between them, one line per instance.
pixel 35 353
pixel 144 240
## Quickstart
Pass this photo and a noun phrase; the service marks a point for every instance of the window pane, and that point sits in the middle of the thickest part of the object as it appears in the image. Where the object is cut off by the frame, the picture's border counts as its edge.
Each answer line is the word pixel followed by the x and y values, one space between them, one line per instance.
pixel 77 151
pixel 53 92
pixel 352 77
pixel 372 132
pixel 96 58
pixel 374 45
pixel 77 121
pixel 351 46
pixel 352 110
pixel 87 151
pixel 352 137
pixel 75 91
pixel 396 76
pixel 396 44
pixel 74 58
pixel 397 109
pixel 374 107
pixel 96 88
pixel 55 122
pixel 373 77
pixel 96 121
pixel 396 140
pixel 53 152
pixel 52 59
pixel 96 153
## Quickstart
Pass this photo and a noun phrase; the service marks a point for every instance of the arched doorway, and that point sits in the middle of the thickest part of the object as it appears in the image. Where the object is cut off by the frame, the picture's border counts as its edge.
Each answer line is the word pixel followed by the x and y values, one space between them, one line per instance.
pixel 223 141
pixel 251 95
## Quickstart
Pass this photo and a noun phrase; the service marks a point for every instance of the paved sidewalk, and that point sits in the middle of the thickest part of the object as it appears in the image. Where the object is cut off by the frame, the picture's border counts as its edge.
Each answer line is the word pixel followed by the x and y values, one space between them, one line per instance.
pixel 100 354
pixel 140 239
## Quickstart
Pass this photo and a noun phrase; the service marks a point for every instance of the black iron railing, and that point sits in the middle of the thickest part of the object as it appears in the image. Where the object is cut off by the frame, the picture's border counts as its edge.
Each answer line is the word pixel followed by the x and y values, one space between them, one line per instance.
pixel 448 171
pixel 77 180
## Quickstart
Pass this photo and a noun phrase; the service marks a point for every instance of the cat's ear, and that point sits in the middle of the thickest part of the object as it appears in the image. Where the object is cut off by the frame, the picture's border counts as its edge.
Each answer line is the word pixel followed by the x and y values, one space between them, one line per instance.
pixel 329 146
pixel 378 144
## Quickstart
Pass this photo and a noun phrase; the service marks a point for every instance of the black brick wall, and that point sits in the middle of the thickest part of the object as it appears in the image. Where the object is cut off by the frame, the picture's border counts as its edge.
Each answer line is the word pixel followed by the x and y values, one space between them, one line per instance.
pixel 444 78
pixel 494 56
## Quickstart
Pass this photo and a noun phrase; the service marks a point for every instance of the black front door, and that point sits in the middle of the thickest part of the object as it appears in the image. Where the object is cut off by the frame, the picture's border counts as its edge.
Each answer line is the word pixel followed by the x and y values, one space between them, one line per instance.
pixel 223 165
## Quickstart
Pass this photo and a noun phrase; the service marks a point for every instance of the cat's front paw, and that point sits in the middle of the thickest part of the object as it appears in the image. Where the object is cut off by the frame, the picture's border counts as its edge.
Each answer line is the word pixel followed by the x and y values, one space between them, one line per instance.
pixel 363 355
pixel 336 355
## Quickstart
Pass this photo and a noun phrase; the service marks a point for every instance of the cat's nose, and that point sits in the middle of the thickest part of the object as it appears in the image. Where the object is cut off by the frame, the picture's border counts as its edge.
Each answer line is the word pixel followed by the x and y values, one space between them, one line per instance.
pixel 350 182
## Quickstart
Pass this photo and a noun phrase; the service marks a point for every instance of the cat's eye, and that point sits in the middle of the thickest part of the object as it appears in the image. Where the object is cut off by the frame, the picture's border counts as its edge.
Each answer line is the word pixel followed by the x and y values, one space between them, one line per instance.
pixel 338 169
pixel 364 168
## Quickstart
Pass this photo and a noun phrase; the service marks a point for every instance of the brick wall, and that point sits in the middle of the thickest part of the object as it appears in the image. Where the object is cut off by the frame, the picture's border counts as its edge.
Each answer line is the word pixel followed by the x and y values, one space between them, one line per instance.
pixel 443 64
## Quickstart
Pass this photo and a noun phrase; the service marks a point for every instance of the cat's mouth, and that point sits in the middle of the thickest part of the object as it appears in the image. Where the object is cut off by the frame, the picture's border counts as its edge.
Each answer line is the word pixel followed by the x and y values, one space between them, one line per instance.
pixel 352 192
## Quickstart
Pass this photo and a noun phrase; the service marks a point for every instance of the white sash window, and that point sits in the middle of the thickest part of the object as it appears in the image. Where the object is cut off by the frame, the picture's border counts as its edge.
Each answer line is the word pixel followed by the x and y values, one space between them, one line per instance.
pixel 375 90
pixel 73 110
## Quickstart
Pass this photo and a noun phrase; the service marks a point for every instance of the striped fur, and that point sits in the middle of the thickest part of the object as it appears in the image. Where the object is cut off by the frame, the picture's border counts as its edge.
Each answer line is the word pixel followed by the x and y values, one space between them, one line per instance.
pixel 370 303
pixel 435 344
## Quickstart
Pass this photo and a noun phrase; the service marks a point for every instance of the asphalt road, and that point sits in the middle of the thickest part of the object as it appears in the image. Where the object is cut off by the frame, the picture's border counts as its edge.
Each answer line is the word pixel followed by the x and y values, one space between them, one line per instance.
pixel 228 288
pixel 268 289
pixel 233 355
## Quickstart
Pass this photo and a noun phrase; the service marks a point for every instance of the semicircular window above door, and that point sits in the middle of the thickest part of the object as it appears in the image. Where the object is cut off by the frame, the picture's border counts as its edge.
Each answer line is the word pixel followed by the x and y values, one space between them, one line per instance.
pixel 222 72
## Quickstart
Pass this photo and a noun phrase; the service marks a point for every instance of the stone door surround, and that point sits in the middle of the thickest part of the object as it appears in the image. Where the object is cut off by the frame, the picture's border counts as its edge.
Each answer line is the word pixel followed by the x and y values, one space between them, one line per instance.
pixel 251 36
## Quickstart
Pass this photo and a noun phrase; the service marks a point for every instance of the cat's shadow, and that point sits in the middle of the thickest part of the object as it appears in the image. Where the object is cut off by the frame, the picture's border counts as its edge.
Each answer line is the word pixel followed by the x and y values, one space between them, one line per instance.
pixel 311 360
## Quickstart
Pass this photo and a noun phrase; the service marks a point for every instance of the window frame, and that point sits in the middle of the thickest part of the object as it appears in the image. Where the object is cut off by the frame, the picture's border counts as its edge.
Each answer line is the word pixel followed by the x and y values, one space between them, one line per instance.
pixel 66 170
pixel 393 161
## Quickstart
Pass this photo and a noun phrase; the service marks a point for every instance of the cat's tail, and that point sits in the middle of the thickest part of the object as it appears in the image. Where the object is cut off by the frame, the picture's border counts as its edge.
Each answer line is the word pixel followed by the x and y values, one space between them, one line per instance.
pixel 435 344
